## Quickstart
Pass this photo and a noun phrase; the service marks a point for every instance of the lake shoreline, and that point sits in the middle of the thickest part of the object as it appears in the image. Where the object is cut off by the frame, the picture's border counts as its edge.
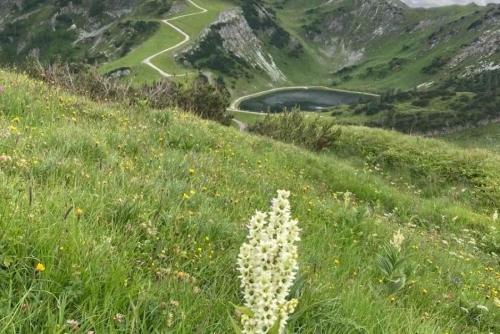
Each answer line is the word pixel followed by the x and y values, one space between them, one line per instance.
pixel 236 103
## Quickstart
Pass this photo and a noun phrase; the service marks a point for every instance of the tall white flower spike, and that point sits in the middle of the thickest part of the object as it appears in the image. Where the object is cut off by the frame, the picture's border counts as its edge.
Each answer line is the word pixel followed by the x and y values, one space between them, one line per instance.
pixel 267 263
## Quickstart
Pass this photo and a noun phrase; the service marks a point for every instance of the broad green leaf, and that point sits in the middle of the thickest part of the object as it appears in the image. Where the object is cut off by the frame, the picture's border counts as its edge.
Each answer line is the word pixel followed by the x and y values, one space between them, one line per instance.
pixel 398 284
pixel 384 264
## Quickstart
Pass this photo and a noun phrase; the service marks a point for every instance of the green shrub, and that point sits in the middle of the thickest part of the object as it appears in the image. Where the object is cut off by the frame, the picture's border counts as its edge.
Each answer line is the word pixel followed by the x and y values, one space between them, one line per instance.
pixel 437 63
pixel 205 100
pixel 97 8
pixel 292 127
pixel 421 103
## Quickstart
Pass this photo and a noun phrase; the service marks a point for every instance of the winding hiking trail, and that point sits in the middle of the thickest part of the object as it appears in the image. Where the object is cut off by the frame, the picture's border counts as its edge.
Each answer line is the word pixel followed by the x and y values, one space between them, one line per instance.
pixel 147 61
pixel 242 126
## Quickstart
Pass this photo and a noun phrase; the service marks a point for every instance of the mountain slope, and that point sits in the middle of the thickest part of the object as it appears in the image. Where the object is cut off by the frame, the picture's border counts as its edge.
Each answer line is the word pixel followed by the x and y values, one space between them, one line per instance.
pixel 75 30
pixel 118 218
pixel 386 43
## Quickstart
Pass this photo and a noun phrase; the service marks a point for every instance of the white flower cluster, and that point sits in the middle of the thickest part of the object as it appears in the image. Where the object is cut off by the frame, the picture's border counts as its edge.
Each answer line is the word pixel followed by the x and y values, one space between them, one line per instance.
pixel 268 264
pixel 397 240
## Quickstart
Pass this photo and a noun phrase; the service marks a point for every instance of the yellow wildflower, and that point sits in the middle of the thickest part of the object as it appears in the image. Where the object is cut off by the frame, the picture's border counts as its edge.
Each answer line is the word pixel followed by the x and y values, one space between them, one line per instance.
pixel 79 212
pixel 39 268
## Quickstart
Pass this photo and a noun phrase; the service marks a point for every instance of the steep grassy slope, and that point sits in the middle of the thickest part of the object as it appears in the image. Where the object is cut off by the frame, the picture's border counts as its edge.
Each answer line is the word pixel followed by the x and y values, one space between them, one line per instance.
pixel 121 219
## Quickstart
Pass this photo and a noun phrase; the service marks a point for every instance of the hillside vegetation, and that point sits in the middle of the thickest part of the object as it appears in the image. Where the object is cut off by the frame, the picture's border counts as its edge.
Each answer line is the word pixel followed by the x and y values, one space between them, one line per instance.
pixel 94 31
pixel 360 45
pixel 118 218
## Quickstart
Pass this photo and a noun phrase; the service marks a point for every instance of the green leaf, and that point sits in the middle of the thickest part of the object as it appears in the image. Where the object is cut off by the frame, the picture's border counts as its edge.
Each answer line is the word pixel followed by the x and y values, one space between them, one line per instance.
pixel 243 310
pixel 276 327
pixel 398 284
pixel 384 265
pixel 237 329
pixel 399 263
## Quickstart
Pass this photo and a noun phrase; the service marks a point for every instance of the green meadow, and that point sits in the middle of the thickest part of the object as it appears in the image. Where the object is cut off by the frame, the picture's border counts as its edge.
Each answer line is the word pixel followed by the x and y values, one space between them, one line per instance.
pixel 124 219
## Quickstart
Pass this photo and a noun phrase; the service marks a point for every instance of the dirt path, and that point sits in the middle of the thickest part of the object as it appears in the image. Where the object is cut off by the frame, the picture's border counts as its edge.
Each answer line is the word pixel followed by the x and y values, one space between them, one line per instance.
pixel 147 61
pixel 241 125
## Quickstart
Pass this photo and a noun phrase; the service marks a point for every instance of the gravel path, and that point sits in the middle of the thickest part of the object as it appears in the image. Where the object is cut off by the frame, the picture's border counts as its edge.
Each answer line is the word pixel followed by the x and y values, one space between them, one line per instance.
pixel 147 61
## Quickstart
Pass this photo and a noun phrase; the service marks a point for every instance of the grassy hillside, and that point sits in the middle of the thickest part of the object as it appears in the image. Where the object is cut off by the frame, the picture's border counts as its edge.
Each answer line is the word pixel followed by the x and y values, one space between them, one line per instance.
pixel 124 219
pixel 482 137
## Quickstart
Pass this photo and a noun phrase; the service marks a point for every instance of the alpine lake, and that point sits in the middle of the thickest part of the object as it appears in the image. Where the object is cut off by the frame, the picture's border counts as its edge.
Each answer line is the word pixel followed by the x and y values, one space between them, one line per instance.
pixel 304 98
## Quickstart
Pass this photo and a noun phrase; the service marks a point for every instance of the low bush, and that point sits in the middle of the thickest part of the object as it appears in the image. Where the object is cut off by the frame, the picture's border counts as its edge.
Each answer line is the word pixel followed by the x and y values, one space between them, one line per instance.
pixel 292 127
pixel 421 103
pixel 205 100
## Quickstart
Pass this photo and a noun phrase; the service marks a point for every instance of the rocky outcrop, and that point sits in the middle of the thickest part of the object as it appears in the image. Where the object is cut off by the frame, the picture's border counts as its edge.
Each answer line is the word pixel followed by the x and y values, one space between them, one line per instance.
pixel 239 39
pixel 481 48
pixel 121 72
pixel 367 20
pixel 345 32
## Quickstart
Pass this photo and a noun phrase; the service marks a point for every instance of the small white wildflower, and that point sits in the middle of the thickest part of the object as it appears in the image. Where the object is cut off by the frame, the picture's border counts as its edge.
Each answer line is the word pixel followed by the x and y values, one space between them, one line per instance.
pixel 119 317
pixel 495 216
pixel 5 158
pixel 170 319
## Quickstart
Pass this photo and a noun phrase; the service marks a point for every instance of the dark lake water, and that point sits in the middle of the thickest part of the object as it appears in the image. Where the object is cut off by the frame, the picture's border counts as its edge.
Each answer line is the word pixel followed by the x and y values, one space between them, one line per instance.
pixel 311 99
